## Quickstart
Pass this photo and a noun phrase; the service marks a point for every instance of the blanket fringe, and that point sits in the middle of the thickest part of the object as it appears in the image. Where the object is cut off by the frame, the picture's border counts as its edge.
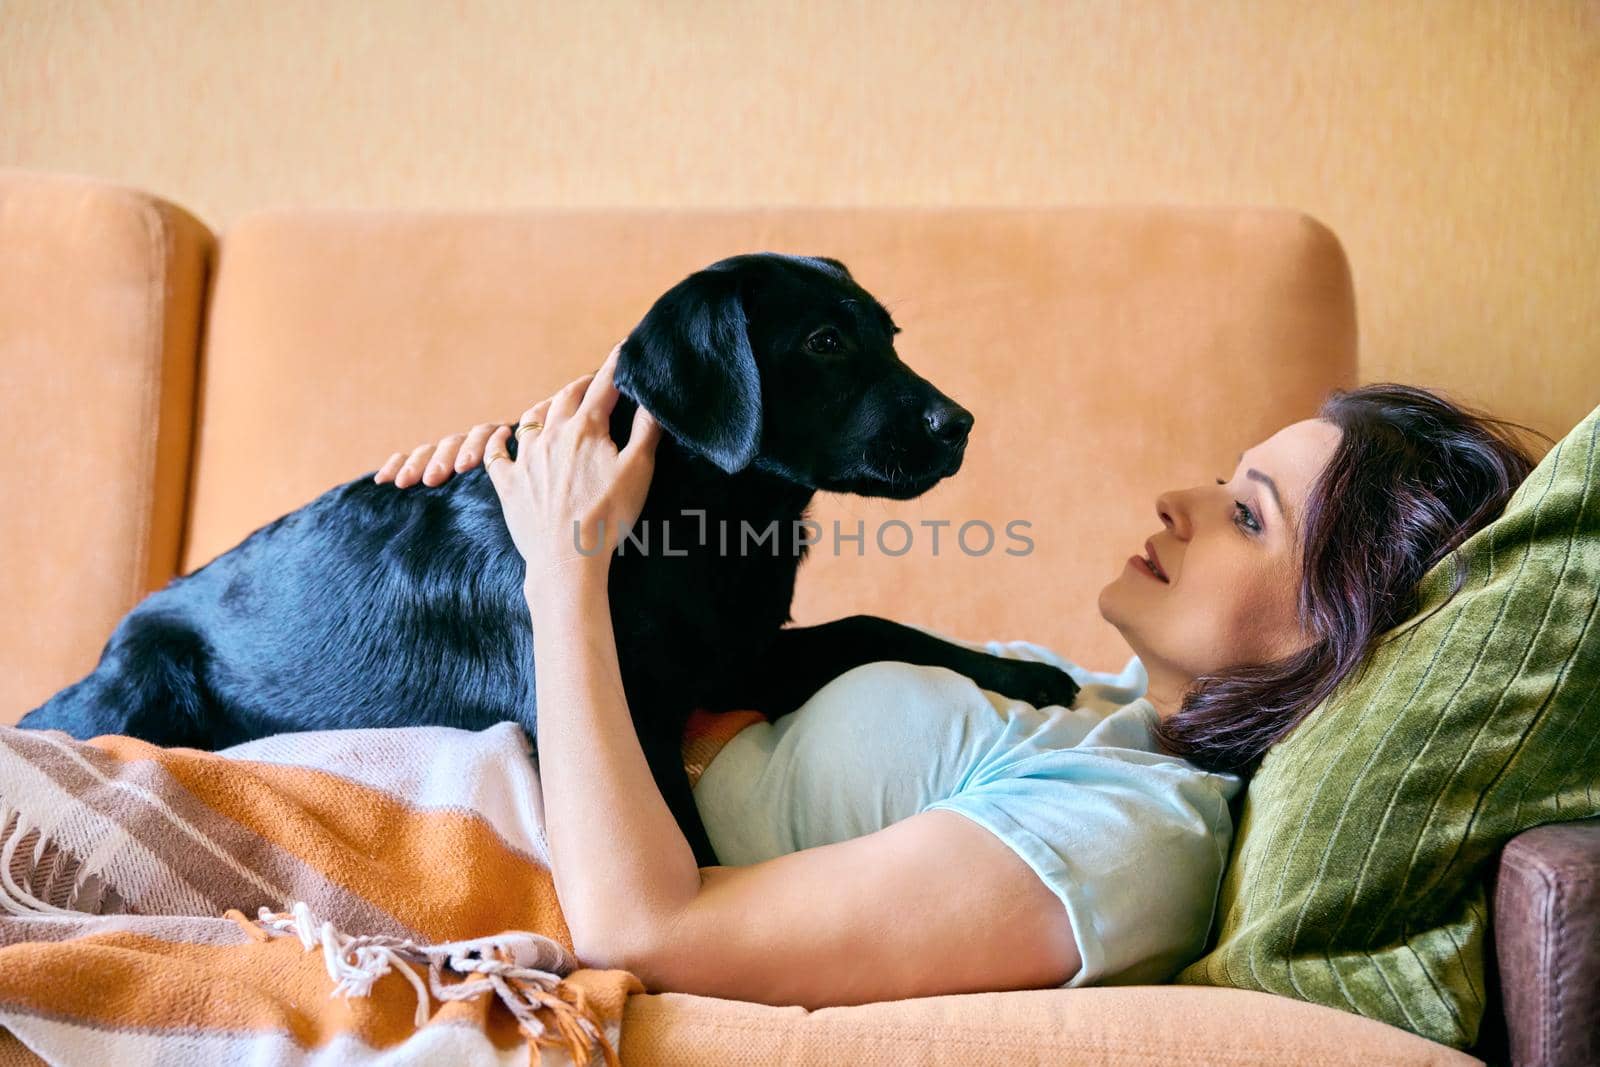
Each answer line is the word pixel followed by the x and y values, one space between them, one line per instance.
pixel 506 964
pixel 35 870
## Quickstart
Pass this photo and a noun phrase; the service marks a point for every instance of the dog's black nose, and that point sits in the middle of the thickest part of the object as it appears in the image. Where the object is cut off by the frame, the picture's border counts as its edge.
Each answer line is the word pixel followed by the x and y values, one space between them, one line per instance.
pixel 949 422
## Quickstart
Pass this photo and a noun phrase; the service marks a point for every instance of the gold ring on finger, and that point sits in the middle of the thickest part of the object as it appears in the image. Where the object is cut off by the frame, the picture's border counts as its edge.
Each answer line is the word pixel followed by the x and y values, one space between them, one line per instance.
pixel 489 461
pixel 529 427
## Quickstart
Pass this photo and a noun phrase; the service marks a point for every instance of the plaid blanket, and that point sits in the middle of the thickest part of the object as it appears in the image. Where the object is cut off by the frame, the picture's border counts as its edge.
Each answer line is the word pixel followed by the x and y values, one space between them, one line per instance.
pixel 366 896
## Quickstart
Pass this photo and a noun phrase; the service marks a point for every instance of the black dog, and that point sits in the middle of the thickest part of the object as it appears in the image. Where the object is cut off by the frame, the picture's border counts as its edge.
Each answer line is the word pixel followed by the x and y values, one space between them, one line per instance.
pixel 772 377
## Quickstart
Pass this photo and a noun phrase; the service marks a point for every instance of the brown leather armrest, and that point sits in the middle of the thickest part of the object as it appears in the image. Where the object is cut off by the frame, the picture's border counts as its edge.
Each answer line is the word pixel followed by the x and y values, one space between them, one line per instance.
pixel 1547 940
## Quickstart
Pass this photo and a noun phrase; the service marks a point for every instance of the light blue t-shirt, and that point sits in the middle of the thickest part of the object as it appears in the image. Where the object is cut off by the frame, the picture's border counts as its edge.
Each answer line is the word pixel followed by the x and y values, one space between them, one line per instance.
pixel 1131 840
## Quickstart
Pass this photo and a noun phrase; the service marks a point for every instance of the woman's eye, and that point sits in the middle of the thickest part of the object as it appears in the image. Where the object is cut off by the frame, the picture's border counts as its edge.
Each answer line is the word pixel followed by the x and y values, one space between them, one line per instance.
pixel 825 341
pixel 1243 516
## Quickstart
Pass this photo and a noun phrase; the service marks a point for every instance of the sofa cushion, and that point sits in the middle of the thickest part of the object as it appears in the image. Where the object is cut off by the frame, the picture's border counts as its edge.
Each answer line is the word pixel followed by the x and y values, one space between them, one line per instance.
pixel 1359 873
pixel 100 301
pixel 1122 1025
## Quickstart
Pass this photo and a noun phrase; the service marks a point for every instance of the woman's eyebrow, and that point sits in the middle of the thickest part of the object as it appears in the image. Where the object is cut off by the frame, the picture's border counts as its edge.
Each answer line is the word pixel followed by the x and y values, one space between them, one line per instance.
pixel 1272 486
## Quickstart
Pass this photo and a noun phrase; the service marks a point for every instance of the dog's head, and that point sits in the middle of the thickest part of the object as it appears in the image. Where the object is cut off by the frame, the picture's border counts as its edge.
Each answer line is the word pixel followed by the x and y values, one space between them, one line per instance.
pixel 784 364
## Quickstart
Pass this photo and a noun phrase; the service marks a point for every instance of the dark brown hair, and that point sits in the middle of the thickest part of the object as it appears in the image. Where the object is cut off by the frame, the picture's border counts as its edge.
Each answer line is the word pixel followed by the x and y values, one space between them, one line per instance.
pixel 1414 475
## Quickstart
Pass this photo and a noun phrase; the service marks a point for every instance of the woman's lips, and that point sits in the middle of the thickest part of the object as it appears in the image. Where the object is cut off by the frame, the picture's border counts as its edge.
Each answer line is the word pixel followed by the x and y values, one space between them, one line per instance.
pixel 1140 564
pixel 1151 565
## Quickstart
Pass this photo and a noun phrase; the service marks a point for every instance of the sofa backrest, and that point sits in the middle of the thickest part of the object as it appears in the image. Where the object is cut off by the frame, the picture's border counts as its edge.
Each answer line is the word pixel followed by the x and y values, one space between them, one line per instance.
pixel 1107 354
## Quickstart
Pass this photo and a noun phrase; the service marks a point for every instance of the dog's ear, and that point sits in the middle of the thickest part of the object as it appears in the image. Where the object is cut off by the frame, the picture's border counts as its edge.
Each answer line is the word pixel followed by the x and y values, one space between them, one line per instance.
pixel 689 363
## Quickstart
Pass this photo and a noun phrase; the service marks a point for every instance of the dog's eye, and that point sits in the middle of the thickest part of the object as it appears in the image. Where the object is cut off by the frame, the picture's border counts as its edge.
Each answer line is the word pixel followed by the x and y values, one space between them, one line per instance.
pixel 825 341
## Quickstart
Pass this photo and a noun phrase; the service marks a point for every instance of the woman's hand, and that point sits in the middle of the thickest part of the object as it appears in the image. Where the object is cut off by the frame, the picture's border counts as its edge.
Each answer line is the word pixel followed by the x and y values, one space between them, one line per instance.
pixel 570 493
pixel 433 464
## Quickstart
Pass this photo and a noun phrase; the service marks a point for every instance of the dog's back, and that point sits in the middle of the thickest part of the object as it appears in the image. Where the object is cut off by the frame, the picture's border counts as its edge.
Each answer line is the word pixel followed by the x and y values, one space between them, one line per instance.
pixel 366 607
pixel 373 607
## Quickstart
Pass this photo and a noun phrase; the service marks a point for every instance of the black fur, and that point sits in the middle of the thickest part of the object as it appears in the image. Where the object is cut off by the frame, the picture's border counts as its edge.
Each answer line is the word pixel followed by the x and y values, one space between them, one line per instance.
pixel 373 606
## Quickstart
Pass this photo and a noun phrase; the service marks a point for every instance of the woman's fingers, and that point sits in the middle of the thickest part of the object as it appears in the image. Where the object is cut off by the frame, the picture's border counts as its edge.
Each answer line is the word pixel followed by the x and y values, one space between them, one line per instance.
pixel 410 472
pixel 442 464
pixel 643 437
pixel 390 468
pixel 536 414
pixel 594 396
pixel 565 403
pixel 472 446
pixel 601 397
pixel 495 450
pixel 433 464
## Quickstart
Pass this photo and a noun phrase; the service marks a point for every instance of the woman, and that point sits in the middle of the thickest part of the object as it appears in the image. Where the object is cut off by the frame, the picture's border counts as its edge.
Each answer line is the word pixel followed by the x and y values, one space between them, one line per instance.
pixel 906 834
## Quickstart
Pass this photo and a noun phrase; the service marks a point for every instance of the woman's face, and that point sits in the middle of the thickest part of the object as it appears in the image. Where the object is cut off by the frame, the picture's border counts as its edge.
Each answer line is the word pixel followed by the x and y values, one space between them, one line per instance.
pixel 1231 553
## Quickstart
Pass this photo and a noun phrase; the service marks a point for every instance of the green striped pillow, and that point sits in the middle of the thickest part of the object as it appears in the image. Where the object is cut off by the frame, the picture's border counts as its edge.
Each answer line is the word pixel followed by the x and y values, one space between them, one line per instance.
pixel 1360 865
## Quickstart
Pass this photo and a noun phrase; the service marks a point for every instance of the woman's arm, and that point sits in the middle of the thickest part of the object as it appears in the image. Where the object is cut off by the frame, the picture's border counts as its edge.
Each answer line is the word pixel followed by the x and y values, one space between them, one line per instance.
pixel 931 905
pixel 619 861
pixel 621 865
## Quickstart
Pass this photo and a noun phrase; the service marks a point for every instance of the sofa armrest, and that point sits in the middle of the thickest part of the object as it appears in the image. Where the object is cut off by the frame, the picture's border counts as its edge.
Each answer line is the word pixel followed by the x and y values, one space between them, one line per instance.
pixel 1547 942
pixel 101 292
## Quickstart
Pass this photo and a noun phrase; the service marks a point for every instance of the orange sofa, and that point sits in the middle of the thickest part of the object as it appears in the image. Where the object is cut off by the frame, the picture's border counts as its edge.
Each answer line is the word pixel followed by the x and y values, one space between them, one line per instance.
pixel 166 391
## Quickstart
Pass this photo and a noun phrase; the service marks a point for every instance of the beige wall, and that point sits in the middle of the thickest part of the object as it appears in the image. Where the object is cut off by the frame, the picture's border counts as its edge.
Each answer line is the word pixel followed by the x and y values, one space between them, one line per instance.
pixel 1454 146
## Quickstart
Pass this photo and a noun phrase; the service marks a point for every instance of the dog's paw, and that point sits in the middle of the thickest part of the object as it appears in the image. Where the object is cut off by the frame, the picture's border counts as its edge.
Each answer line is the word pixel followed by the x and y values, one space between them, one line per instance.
pixel 1038 684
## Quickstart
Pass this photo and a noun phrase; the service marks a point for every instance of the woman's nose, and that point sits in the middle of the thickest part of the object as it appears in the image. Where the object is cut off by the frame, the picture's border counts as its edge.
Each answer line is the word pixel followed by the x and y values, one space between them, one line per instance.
pixel 1172 515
